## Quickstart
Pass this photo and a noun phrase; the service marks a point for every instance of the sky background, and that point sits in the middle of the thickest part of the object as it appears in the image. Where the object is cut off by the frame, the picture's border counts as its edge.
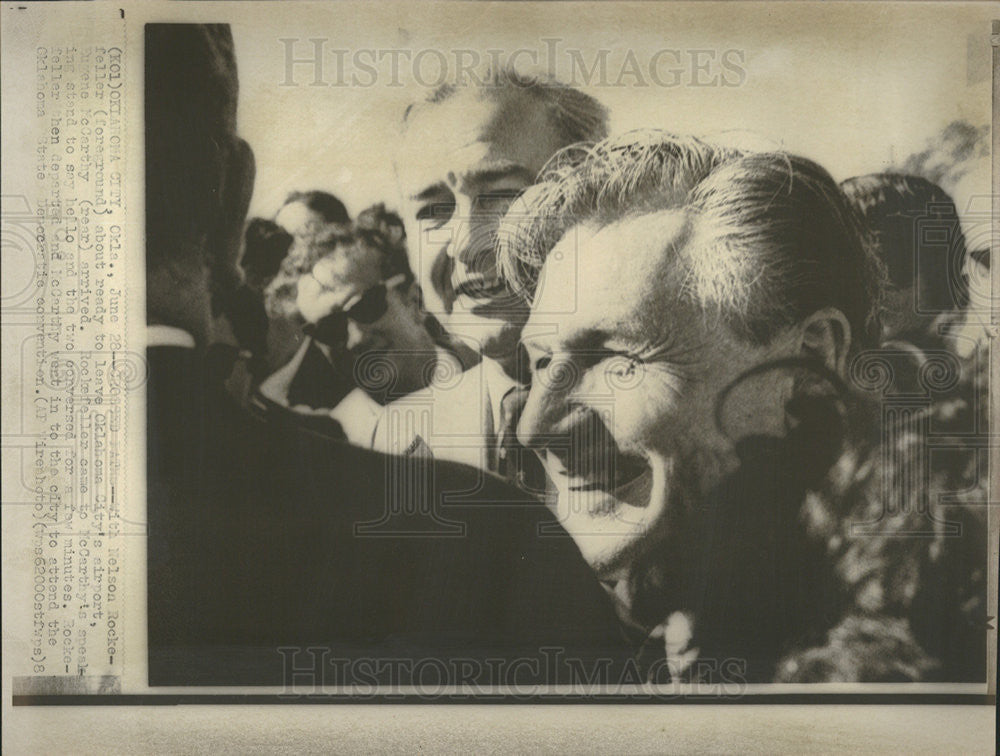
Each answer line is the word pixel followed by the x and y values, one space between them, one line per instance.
pixel 858 88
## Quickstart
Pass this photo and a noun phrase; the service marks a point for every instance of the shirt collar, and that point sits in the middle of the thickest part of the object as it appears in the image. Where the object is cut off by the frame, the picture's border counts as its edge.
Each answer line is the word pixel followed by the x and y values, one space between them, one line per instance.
pixel 164 335
pixel 498 383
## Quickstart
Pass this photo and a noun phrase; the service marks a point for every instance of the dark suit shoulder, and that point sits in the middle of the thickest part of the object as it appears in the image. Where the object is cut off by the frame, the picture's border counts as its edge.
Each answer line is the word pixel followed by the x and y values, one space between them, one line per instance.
pixel 267 535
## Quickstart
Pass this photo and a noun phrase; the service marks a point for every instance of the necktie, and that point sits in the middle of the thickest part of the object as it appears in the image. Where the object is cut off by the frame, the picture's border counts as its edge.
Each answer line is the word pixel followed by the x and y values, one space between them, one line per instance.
pixel 518 465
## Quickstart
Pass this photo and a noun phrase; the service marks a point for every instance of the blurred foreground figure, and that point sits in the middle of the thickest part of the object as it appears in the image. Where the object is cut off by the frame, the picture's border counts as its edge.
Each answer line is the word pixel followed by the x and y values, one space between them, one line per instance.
pixel 698 313
pixel 974 335
pixel 276 555
pixel 938 295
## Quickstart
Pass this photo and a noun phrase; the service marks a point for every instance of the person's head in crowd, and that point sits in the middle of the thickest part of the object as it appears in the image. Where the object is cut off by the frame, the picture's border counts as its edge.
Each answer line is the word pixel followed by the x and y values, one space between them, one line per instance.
pixel 974 334
pixel 199 175
pixel 666 272
pixel 304 253
pixel 357 295
pixel 306 214
pixel 467 151
pixel 265 246
pixel 915 229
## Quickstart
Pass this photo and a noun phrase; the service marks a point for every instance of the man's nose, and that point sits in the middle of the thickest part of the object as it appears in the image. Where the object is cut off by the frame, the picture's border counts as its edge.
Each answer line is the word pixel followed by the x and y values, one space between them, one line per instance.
pixel 545 416
pixel 472 240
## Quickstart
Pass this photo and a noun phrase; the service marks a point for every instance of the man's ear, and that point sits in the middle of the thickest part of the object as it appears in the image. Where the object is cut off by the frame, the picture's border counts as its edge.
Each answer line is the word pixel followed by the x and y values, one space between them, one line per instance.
pixel 826 336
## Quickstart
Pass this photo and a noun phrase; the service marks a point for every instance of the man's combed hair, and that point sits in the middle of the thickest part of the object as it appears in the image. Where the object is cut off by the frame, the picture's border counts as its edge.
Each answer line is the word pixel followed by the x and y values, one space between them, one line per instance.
pixel 901 212
pixel 328 206
pixel 769 239
pixel 576 116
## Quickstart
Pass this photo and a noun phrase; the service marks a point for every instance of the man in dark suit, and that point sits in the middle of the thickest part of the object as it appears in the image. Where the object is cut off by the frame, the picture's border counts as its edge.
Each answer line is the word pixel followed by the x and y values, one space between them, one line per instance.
pixel 273 549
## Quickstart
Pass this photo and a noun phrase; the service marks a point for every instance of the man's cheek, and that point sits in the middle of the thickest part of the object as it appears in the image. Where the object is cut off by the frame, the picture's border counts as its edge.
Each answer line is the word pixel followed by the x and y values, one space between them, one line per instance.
pixel 642 418
pixel 685 451
pixel 703 466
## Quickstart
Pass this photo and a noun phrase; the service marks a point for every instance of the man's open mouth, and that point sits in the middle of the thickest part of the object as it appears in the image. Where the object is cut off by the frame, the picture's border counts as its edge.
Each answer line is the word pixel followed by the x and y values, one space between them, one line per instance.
pixel 488 298
pixel 588 458
pixel 479 288
pixel 620 473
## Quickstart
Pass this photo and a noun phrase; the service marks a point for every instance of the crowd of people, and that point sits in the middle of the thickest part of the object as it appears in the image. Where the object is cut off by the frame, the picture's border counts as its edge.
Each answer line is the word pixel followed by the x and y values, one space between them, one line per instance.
pixel 684 411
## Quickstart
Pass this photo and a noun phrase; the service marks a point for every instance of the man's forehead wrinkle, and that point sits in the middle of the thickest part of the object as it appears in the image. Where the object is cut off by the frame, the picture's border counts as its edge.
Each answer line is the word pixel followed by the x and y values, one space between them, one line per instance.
pixel 625 276
pixel 583 326
pixel 434 144
pixel 451 127
pixel 472 133
pixel 592 336
pixel 492 167
pixel 471 166
pixel 569 334
pixel 637 255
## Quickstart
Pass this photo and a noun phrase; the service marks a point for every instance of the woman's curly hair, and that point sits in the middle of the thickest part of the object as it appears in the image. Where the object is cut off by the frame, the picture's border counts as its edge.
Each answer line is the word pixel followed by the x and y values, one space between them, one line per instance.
pixel 375 227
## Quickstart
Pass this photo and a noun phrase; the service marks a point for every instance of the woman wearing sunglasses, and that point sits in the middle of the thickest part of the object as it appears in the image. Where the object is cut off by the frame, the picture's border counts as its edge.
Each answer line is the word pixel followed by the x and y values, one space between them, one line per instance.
pixel 363 323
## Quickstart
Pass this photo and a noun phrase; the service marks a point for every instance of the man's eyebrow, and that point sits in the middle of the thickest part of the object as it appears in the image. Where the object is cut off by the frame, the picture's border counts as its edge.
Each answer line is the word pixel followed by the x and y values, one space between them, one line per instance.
pixel 588 341
pixel 535 343
pixel 431 191
pixel 490 174
pixel 484 175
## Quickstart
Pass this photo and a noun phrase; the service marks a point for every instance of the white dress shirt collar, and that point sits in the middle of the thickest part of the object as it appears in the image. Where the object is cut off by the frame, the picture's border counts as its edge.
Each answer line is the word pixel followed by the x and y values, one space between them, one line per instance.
pixel 498 383
pixel 164 335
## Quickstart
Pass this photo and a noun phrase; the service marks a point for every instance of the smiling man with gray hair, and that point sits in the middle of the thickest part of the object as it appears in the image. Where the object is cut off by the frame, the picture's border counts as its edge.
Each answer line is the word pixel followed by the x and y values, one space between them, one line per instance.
pixel 695 312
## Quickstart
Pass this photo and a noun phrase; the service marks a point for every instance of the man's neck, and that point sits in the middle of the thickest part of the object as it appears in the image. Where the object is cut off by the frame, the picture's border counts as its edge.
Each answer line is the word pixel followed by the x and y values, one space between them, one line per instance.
pixel 505 365
pixel 497 372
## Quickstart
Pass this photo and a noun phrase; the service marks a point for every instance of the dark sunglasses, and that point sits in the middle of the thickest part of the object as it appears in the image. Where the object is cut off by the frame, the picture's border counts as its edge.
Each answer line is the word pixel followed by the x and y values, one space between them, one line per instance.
pixel 372 305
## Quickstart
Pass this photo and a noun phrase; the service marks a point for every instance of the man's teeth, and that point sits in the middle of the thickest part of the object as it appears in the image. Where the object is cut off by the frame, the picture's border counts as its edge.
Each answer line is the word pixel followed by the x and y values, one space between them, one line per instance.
pixel 478 287
pixel 581 483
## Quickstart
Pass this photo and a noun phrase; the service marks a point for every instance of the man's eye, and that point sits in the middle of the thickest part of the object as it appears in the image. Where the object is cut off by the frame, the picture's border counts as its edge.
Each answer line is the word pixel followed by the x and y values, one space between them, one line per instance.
pixel 625 367
pixel 438 212
pixel 541 363
pixel 499 198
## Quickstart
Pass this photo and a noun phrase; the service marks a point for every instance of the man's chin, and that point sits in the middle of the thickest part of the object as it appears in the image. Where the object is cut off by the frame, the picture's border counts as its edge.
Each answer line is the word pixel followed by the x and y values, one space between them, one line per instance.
pixel 609 528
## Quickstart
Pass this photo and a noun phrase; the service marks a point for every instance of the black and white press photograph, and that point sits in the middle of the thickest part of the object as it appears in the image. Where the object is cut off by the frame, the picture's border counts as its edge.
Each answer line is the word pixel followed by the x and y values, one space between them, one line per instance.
pixel 564 403
pixel 514 352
